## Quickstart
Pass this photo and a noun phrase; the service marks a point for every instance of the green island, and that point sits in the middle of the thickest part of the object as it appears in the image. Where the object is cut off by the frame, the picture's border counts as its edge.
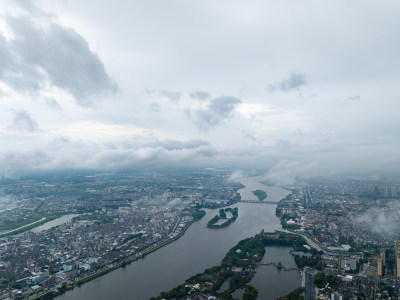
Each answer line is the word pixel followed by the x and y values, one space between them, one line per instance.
pixel 222 216
pixel 238 266
pixel 262 195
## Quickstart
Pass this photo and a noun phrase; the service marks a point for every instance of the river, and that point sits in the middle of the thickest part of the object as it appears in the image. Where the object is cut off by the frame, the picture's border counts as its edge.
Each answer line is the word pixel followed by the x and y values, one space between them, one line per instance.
pixel 61 220
pixel 199 248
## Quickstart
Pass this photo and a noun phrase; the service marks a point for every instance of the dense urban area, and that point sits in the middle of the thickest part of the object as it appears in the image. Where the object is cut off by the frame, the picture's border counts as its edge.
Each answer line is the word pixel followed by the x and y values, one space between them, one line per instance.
pixel 345 232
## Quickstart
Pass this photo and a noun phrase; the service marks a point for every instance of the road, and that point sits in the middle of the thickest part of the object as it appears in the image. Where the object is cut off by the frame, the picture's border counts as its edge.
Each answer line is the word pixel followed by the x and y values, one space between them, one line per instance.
pixel 22 227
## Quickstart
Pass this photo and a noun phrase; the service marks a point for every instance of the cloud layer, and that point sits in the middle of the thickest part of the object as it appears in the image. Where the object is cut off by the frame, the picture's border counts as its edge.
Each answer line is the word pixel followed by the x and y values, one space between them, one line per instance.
pixel 127 85
pixel 42 52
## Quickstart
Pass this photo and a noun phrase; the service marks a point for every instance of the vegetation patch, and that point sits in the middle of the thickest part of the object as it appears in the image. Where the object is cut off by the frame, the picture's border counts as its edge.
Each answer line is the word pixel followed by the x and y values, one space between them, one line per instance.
pixel 238 266
pixel 222 216
pixel 262 195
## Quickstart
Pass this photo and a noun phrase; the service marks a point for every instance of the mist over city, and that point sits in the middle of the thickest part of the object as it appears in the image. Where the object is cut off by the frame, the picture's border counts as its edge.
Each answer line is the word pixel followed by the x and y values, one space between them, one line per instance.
pixel 199 149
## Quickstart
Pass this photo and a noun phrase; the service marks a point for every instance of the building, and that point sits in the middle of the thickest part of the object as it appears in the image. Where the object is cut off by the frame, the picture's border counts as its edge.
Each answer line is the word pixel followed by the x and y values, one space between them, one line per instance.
pixel 397 246
pixel 379 266
pixel 398 264
pixel 383 256
pixel 397 254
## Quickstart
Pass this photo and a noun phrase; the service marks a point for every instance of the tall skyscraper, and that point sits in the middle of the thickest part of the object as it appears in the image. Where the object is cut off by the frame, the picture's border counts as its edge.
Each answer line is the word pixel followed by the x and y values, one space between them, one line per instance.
pixel 398 264
pixel 397 254
pixel 397 246
pixel 383 256
pixel 379 265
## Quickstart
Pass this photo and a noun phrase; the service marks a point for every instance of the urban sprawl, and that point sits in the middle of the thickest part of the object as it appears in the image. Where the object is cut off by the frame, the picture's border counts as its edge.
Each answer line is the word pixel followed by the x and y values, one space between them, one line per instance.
pixel 352 226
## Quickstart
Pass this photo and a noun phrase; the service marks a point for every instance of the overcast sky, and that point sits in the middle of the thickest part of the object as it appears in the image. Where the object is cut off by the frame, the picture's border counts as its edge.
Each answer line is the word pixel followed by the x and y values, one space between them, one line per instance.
pixel 295 87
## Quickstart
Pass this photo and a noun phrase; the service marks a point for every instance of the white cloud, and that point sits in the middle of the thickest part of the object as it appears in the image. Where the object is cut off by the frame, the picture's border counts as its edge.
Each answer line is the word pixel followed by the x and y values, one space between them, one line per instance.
pixel 216 111
pixel 43 52
pixel 60 63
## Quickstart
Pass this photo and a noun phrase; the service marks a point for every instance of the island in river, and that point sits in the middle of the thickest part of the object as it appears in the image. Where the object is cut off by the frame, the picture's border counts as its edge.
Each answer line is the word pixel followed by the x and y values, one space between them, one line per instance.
pixel 261 195
pixel 198 249
pixel 238 266
pixel 215 222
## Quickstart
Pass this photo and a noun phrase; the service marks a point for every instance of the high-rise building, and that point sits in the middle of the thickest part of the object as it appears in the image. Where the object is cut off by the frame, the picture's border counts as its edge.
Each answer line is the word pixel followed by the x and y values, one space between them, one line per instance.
pixel 397 246
pixel 379 265
pixel 398 264
pixel 393 191
pixel 383 256
pixel 397 254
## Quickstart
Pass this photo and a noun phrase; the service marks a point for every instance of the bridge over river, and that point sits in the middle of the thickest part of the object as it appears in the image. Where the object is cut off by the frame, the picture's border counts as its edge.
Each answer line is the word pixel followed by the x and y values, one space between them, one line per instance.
pixel 258 201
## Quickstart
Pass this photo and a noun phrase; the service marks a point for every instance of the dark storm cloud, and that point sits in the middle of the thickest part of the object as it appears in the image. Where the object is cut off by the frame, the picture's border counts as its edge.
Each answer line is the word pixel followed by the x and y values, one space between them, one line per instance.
pixel 200 95
pixel 294 81
pixel 40 53
pixel 23 122
pixel 218 110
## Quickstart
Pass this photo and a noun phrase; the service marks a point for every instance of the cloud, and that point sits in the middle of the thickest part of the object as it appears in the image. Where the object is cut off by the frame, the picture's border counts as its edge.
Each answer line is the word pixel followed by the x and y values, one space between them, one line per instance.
pixel 200 95
pixel 286 172
pixel 382 220
pixel 175 202
pixel 294 82
pixel 353 98
pixel 174 96
pixel 53 104
pixel 64 154
pixel 236 175
pixel 42 52
pixel 149 157
pixel 218 110
pixel 15 162
pixel 23 122
pixel 177 145
pixel 155 107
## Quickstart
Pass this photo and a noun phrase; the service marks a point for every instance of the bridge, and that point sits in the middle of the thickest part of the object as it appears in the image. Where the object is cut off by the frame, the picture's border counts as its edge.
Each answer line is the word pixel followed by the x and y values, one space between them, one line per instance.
pixel 258 201
pixel 279 267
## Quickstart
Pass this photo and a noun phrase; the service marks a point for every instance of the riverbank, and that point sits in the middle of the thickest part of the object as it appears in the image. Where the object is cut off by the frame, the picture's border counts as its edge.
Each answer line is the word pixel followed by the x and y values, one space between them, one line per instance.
pixel 198 249
pixel 239 265
pixel 121 264
pixel 25 227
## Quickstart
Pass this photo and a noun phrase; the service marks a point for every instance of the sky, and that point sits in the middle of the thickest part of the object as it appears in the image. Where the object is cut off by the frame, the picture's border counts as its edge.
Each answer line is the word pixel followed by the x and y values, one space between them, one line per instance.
pixel 295 88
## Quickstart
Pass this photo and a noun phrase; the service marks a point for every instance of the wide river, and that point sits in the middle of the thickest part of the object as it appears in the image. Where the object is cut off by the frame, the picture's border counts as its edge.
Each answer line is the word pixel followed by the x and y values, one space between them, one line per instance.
pixel 200 248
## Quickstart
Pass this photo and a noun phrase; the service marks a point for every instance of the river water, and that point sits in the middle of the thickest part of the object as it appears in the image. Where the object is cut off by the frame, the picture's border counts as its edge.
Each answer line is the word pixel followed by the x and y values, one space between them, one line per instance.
pixel 61 220
pixel 199 248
